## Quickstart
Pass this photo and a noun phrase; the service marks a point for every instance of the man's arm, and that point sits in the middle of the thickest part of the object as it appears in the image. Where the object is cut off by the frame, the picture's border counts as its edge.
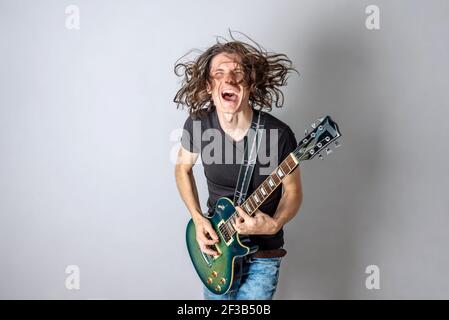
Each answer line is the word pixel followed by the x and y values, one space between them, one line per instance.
pixel 185 181
pixel 290 201
pixel 288 206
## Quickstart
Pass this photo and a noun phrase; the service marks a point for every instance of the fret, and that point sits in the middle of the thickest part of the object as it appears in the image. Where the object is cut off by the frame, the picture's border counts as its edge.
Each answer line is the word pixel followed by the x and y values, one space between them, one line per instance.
pixel 262 198
pixel 287 164
pixel 247 207
pixel 253 205
pixel 285 167
pixel 275 176
pixel 262 190
pixel 288 168
pixel 293 157
pixel 280 173
pixel 291 162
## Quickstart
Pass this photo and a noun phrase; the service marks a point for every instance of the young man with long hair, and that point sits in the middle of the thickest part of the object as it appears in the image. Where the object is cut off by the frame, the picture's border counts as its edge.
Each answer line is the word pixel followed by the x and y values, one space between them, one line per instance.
pixel 224 89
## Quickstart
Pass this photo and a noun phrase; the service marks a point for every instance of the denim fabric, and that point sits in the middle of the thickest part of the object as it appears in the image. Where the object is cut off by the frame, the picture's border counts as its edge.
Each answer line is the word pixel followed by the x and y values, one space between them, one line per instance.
pixel 258 281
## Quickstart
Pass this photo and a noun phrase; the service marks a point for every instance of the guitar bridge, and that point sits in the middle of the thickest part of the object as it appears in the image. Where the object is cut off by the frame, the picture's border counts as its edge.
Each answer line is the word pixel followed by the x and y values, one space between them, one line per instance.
pixel 210 258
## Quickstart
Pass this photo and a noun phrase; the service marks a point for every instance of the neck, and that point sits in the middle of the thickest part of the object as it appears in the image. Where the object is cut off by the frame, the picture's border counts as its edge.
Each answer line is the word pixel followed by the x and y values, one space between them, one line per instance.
pixel 236 124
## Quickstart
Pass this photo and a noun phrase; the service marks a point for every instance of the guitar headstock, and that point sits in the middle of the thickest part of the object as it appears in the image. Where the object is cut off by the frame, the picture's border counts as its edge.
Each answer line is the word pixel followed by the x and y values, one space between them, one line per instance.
pixel 325 131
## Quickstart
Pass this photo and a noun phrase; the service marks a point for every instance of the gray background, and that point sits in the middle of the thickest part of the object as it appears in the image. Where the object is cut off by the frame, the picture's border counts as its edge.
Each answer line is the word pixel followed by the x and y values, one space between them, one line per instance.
pixel 85 124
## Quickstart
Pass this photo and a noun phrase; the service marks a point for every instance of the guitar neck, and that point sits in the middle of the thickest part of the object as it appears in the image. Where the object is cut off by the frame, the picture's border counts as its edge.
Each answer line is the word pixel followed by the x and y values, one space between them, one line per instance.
pixel 274 180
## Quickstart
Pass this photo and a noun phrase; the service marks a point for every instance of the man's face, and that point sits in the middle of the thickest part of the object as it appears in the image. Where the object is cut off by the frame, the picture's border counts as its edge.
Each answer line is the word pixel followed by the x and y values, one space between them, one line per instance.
pixel 226 86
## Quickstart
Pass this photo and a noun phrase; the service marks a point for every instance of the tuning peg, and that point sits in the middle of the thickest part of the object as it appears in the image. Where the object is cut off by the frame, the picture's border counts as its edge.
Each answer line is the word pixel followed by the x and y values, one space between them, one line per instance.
pixel 337 144
pixel 320 156
pixel 328 151
pixel 306 132
pixel 313 125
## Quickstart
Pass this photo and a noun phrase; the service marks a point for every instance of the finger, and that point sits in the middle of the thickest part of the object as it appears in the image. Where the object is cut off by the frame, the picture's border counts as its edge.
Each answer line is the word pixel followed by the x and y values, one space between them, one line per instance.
pixel 206 240
pixel 212 233
pixel 209 251
pixel 209 242
pixel 238 227
pixel 204 236
pixel 260 213
pixel 242 213
pixel 234 225
pixel 238 217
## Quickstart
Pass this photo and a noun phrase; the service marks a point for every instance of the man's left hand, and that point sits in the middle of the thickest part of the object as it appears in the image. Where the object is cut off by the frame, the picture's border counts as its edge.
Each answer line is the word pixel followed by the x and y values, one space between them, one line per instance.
pixel 260 223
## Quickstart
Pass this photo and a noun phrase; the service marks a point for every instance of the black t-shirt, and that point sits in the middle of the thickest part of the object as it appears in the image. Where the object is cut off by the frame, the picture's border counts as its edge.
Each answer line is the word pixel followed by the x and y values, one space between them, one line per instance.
pixel 222 156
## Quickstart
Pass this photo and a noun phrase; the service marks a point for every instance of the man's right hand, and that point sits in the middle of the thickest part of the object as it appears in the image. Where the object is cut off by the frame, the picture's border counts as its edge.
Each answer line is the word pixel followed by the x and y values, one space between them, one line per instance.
pixel 206 235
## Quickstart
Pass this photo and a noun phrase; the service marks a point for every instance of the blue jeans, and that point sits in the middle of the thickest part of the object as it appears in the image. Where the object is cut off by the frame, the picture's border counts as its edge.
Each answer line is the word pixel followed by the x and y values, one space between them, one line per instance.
pixel 258 281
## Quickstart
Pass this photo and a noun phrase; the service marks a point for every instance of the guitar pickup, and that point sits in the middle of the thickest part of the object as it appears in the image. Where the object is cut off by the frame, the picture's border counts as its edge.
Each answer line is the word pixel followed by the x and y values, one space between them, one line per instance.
pixel 225 240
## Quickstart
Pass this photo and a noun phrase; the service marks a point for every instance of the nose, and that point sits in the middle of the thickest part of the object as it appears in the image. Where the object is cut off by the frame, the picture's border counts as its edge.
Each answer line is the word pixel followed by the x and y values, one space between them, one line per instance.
pixel 230 78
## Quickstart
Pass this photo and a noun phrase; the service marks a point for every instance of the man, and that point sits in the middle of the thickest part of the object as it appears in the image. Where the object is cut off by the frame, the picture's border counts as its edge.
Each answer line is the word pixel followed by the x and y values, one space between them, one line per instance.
pixel 224 89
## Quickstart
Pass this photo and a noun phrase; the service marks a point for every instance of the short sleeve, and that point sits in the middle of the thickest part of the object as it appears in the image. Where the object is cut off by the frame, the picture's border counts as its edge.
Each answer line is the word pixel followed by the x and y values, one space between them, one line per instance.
pixel 191 134
pixel 287 143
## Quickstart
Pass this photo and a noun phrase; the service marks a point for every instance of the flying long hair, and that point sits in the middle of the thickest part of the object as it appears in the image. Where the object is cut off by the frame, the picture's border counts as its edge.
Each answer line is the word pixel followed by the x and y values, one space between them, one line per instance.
pixel 264 74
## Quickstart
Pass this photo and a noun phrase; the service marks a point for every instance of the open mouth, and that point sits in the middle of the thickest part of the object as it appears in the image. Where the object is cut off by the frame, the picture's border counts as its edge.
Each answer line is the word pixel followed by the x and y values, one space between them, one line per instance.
pixel 229 95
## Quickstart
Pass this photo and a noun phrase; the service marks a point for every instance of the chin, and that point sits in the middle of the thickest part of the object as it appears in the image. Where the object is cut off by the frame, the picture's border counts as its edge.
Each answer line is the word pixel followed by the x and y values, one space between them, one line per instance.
pixel 229 108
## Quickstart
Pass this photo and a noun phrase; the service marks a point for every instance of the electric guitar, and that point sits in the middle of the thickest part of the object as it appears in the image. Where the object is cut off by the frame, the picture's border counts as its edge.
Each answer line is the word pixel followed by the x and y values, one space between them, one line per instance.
pixel 218 272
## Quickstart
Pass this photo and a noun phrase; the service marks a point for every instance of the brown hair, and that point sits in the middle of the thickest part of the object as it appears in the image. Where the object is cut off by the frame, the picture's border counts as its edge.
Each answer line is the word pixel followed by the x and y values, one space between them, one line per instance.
pixel 264 73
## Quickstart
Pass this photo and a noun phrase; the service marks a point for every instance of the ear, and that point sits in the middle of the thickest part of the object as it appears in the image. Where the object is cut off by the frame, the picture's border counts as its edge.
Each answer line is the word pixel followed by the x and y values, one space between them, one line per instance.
pixel 208 87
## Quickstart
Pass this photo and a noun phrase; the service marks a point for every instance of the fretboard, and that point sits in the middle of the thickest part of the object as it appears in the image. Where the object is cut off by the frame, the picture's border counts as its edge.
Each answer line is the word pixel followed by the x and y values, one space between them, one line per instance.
pixel 274 180
pixel 255 200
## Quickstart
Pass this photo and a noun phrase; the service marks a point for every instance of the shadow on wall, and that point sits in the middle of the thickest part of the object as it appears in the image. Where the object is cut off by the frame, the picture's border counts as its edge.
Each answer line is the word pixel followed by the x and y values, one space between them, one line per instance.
pixel 338 76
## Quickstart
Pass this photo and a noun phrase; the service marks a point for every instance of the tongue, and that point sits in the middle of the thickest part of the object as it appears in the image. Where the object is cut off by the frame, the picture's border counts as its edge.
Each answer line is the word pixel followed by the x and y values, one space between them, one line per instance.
pixel 230 97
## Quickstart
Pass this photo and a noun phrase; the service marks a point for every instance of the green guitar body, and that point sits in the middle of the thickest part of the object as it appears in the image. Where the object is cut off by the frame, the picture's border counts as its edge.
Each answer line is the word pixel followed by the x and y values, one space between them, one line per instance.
pixel 218 274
